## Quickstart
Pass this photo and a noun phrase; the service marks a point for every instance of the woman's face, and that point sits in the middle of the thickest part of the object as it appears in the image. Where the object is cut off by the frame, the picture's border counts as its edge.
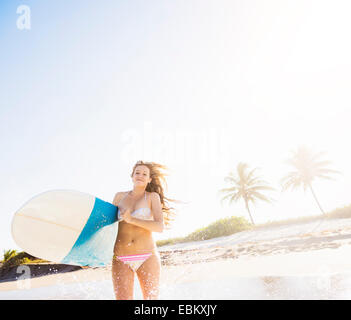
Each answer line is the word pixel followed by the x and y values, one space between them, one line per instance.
pixel 141 176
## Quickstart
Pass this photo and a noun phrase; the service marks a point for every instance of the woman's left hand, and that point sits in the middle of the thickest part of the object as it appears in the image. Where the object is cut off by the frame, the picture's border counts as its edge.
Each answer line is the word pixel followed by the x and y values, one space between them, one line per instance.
pixel 125 215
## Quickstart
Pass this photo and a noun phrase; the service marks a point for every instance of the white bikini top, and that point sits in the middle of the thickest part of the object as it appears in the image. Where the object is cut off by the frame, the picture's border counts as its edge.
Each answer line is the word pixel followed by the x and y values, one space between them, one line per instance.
pixel 141 213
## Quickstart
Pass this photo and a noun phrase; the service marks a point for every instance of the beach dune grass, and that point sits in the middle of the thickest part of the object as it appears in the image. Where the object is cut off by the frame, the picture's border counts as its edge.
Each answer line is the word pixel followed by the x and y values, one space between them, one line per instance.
pixel 340 213
pixel 219 228
pixel 231 225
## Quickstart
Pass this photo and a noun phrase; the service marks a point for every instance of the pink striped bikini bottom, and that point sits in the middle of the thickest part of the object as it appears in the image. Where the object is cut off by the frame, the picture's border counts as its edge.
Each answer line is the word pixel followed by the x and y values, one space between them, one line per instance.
pixel 134 261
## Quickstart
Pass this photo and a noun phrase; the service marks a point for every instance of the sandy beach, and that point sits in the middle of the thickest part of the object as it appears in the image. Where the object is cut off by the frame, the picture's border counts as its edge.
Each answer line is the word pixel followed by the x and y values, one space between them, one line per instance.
pixel 301 261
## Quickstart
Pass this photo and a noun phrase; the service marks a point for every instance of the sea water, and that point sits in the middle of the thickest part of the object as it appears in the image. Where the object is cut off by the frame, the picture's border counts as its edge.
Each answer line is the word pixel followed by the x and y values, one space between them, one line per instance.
pixel 337 286
pixel 188 286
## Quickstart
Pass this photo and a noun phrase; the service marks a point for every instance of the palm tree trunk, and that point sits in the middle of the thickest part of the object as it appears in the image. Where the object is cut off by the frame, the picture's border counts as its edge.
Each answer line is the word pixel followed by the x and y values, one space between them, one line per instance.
pixel 248 210
pixel 314 195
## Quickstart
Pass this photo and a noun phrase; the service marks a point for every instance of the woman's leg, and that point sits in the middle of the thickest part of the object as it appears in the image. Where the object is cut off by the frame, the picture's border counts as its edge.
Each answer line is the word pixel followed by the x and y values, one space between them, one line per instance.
pixel 123 280
pixel 149 277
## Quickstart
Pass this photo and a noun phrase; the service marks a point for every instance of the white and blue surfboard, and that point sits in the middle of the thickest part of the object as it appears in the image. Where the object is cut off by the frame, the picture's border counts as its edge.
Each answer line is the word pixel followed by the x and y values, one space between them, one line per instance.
pixel 67 227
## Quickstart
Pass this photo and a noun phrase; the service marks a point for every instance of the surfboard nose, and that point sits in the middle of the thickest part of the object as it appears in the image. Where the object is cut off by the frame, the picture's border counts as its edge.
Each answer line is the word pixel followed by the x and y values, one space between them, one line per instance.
pixel 52 224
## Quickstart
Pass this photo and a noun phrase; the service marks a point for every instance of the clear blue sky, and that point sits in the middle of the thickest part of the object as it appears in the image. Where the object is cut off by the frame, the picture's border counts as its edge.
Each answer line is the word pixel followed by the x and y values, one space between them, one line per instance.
pixel 199 86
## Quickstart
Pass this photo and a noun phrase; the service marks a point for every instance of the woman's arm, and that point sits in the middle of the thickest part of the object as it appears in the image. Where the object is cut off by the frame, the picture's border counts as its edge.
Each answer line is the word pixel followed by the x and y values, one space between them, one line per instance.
pixel 157 224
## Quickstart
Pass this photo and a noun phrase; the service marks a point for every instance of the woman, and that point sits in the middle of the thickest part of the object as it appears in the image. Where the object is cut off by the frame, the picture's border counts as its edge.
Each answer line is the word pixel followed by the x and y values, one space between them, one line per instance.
pixel 142 211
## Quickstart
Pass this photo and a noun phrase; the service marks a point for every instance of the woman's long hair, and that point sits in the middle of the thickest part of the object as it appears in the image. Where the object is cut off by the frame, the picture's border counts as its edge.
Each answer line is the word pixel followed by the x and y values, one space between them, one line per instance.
pixel 158 184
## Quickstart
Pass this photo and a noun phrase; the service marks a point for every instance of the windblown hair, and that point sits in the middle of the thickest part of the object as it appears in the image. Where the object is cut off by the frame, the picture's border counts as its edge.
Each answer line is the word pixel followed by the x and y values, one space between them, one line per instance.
pixel 158 184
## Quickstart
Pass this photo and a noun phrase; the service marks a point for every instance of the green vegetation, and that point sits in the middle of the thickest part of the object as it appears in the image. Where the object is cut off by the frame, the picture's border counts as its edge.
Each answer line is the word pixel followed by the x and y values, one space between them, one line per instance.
pixel 221 227
pixel 228 226
pixel 13 258
pixel 339 213
pixel 8 254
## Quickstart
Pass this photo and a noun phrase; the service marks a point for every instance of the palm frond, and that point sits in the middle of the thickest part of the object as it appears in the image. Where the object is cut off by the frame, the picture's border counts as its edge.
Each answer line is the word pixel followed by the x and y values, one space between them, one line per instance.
pixel 291 181
pixel 226 190
pixel 246 185
pixel 228 196
pixel 261 187
pixel 309 166
pixel 261 196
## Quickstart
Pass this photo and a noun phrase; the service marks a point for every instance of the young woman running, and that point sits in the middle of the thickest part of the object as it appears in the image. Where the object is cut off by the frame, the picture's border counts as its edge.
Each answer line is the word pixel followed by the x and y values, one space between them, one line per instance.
pixel 141 211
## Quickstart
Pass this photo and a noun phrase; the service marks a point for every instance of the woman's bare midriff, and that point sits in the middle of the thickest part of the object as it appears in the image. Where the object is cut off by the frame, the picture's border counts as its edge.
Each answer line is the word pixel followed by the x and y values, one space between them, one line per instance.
pixel 132 239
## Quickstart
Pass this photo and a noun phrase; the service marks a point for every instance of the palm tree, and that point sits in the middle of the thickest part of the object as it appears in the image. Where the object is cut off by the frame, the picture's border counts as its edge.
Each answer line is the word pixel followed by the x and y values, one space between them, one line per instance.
pixel 245 185
pixel 308 166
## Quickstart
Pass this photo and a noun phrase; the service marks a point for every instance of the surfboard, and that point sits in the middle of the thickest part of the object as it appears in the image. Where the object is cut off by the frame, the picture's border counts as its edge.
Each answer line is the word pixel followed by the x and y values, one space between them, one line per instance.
pixel 66 226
